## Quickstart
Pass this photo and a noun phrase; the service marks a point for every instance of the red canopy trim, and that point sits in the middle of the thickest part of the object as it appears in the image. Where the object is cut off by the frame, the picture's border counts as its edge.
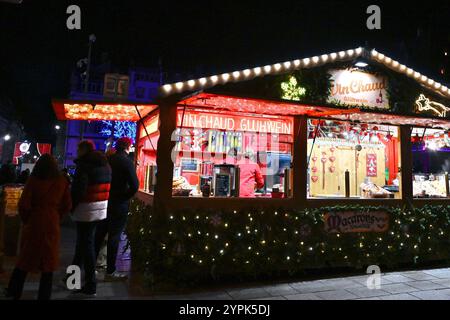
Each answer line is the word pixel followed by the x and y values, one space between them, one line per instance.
pixel 100 110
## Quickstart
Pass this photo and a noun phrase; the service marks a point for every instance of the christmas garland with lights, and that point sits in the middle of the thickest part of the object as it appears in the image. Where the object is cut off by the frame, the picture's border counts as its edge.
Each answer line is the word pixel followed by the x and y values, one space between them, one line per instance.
pixel 192 246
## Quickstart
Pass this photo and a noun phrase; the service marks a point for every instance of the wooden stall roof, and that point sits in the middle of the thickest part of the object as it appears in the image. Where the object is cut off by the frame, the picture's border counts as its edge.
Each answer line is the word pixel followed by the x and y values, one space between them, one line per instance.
pixel 219 102
pixel 100 110
pixel 309 62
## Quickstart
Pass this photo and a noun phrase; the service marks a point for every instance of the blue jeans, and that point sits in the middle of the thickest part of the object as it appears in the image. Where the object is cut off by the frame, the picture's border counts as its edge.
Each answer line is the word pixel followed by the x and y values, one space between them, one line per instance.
pixel 113 226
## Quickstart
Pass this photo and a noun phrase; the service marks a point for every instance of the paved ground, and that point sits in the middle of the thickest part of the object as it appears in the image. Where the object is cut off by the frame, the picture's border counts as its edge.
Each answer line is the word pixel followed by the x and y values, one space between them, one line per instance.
pixel 431 284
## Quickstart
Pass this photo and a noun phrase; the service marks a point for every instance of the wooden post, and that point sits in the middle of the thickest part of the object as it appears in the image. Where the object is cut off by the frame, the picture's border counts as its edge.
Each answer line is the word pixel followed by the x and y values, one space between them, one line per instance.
pixel 300 161
pixel 406 164
pixel 447 191
pixel 164 176
pixel 347 184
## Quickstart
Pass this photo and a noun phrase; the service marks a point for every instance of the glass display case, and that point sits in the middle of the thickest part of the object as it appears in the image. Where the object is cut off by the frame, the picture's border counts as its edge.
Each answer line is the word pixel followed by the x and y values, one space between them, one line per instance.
pixel 430 185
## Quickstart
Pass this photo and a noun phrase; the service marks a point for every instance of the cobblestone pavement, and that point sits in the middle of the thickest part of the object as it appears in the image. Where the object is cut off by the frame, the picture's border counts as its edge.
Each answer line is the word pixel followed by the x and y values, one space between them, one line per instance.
pixel 433 284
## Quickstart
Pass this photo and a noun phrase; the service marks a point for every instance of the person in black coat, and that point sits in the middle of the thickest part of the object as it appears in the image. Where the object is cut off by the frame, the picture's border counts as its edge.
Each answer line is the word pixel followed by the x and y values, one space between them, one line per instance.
pixel 124 185
pixel 90 194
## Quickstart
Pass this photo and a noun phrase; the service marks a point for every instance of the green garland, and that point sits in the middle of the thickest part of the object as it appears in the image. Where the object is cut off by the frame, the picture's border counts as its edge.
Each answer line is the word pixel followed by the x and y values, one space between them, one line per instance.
pixel 188 246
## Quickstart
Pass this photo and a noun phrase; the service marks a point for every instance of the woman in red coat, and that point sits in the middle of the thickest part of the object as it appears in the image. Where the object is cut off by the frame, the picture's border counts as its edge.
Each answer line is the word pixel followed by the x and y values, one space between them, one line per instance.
pixel 45 199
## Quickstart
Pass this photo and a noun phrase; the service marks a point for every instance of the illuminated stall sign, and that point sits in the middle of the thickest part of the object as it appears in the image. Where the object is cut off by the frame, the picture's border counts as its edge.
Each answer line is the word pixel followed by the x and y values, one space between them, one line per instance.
pixel 234 123
pixel 356 88
pixel 356 221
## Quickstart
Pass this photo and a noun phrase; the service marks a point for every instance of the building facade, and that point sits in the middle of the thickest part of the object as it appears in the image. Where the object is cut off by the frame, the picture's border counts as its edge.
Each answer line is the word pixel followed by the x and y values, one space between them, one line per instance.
pixel 142 88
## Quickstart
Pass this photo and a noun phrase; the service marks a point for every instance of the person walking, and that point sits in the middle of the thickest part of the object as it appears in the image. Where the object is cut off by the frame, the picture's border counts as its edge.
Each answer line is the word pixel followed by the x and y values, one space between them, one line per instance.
pixel 44 200
pixel 90 193
pixel 124 185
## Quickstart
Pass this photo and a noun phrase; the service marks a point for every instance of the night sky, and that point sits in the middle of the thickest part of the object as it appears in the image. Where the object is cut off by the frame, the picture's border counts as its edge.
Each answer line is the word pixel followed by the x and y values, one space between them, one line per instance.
pixel 38 53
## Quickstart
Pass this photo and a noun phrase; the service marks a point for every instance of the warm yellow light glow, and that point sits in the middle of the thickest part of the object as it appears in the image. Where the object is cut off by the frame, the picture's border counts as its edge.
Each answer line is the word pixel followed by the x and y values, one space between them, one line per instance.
pixel 425 104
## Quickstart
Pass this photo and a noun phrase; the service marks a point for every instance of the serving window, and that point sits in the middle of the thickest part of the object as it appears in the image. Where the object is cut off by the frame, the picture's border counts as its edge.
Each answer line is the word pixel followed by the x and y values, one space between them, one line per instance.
pixel 232 154
pixel 431 162
pixel 353 160
pixel 146 150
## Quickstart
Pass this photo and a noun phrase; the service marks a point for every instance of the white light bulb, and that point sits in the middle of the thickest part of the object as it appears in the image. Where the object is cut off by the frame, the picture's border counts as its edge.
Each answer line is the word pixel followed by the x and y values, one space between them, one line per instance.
pixel 236 74
pixel 257 71
pixel 267 68
pixel 350 52
pixel 277 66
pixel 202 81
pixel 167 87
pixel 225 76
pixel 315 59
pixel 214 79
pixel 324 57
pixel 342 54
pixel 306 61
pixel 191 83
pixel 333 55
pixel 179 85
pixel 359 50
pixel 296 62
pixel 287 65
pixel 246 72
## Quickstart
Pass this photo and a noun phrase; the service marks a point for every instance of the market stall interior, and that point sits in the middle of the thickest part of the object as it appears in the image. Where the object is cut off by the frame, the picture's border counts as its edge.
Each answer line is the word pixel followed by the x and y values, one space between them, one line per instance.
pixel 352 125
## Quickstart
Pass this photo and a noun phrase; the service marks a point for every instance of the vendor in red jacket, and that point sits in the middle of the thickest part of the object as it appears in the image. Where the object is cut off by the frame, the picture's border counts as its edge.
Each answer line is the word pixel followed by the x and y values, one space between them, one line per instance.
pixel 250 174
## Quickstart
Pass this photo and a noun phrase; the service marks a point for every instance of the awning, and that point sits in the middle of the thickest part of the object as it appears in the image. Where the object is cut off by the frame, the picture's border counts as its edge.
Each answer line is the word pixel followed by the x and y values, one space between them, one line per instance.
pixel 220 102
pixel 100 110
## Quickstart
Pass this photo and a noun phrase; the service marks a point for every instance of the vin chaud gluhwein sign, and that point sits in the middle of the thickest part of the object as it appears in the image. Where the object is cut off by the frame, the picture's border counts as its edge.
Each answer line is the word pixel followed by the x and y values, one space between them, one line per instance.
pixel 358 88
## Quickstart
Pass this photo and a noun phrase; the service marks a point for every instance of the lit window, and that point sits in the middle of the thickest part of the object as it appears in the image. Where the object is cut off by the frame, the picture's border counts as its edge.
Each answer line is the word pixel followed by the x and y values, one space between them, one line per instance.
pixel 354 160
pixel 431 162
pixel 232 155
pixel 146 150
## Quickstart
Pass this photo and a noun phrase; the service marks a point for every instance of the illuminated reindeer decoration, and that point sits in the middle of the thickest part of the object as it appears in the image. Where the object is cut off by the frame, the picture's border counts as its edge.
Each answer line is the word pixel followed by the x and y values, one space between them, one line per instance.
pixel 424 104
